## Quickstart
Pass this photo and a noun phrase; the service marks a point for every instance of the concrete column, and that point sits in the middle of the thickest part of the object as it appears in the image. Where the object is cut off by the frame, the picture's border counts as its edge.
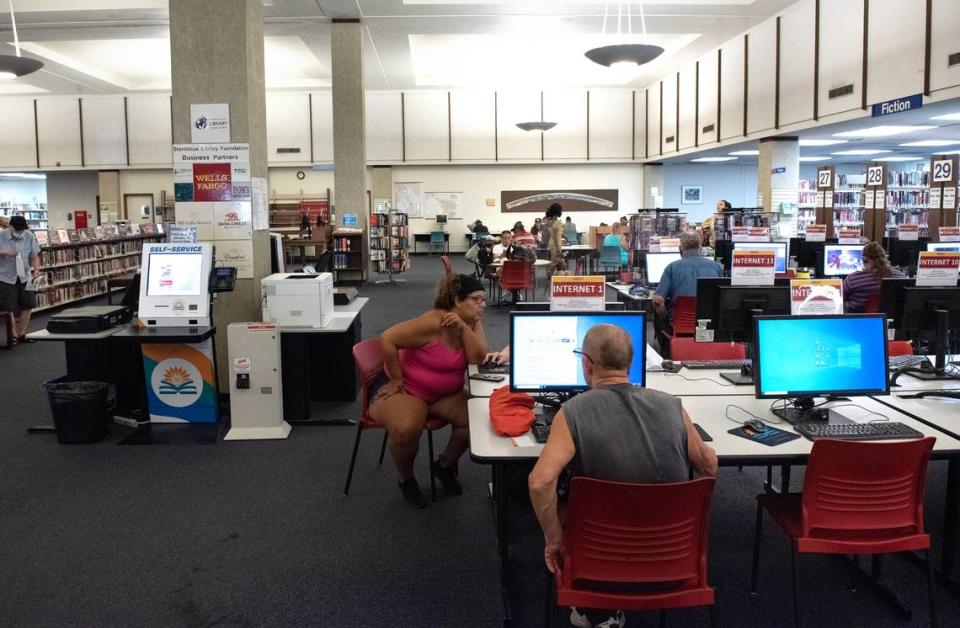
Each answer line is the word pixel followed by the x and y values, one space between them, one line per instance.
pixel 778 180
pixel 216 56
pixel 349 149
pixel 652 186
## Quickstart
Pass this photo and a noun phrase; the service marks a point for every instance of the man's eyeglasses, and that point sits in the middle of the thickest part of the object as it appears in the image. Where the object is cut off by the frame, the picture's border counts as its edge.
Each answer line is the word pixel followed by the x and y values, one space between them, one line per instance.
pixel 580 352
pixel 478 299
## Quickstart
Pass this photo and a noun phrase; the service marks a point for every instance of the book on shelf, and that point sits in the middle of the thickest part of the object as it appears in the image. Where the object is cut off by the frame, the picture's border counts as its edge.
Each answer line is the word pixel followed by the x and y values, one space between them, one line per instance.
pixel 42 237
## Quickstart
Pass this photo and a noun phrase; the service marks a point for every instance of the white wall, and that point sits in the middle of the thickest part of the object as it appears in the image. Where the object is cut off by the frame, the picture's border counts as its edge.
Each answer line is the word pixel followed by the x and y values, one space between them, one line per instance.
pixel 313 185
pixel 70 191
pixel 19 191
pixel 481 182
pixel 731 182
pixel 146 182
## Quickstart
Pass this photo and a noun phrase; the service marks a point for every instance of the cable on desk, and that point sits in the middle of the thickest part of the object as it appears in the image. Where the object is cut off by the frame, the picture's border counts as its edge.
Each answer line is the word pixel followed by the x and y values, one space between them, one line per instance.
pixel 696 379
pixel 726 413
pixel 869 412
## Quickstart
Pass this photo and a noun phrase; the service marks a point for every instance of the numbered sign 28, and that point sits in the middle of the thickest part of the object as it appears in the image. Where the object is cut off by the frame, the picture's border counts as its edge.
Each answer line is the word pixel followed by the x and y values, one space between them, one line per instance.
pixel 942 170
pixel 824 178
pixel 874 175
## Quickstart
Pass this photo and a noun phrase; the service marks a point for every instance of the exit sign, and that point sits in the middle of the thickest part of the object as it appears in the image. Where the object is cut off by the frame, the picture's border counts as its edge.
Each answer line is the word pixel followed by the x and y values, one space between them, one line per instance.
pixel 897 105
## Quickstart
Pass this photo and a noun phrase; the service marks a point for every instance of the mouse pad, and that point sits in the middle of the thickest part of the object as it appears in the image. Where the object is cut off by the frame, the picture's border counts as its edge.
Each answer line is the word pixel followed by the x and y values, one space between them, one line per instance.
pixel 769 436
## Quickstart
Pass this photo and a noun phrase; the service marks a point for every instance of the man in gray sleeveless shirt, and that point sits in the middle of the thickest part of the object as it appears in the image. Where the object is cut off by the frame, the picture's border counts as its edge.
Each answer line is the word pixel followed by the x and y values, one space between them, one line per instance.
pixel 613 432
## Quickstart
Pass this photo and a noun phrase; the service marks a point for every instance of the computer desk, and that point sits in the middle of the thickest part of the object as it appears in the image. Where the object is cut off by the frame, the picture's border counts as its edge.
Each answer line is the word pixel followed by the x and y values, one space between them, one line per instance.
pixel 710 412
pixel 639 301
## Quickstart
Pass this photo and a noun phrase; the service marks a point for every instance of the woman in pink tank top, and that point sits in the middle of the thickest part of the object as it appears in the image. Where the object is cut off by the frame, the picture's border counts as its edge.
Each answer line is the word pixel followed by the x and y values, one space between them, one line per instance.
pixel 424 362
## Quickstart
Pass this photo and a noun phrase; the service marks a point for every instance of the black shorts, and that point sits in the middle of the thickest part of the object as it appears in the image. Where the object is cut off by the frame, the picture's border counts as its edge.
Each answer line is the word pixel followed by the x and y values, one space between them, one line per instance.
pixel 15 297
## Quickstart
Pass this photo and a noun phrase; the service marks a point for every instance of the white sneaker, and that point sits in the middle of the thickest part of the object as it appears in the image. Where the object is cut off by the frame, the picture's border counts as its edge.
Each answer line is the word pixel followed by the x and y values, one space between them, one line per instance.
pixel 578 619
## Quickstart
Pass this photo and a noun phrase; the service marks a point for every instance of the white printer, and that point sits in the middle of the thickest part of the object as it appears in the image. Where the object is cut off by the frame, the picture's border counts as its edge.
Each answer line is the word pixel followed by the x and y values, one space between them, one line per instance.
pixel 298 299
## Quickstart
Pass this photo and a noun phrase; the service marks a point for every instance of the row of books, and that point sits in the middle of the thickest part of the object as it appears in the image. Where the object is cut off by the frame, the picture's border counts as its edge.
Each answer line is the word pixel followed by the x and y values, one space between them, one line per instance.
pixel 344 244
pixel 80 290
pixel 383 254
pixel 394 266
pixel 910 178
pixel 341 261
pixel 389 243
pixel 393 218
pixel 93 251
pixel 91 270
pixel 907 199
pixel 47 237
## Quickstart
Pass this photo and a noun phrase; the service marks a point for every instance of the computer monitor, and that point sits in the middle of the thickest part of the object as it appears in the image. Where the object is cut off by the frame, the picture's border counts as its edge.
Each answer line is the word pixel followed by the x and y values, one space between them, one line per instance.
pixel 904 253
pixel 802 357
pixel 174 288
pixel 780 265
pixel 953 247
pixel 842 259
pixel 932 310
pixel 708 306
pixel 657 263
pixel 808 254
pixel 131 296
pixel 441 219
pixel 542 344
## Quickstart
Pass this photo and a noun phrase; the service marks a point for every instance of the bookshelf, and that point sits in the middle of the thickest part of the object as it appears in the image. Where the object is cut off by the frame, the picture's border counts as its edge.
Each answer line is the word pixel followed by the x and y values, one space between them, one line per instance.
pixel 77 263
pixel 34 214
pixel 390 243
pixel 349 256
pixel 806 205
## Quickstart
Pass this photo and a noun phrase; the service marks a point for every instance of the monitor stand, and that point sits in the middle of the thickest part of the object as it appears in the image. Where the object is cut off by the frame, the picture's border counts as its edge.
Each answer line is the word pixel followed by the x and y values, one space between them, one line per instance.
pixel 938 372
pixel 743 378
pixel 802 410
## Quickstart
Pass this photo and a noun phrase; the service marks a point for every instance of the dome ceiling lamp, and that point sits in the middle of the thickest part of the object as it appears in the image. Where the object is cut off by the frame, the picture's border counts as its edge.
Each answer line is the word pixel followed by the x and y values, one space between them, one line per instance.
pixel 537 125
pixel 12 67
pixel 624 56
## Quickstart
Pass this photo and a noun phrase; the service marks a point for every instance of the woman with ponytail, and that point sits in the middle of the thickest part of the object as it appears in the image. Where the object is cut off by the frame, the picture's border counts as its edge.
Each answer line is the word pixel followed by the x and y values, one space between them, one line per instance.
pixel 858 287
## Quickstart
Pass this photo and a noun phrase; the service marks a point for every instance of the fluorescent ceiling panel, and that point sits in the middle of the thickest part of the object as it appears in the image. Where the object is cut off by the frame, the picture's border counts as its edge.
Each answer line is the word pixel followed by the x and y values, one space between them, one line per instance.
pixel 900 158
pixel 815 158
pixel 523 59
pixel 932 143
pixel 31 6
pixel 885 130
pixel 20 88
pixel 744 153
pixel 554 3
pixel 816 142
pixel 948 116
pixel 861 151
pixel 144 64
pixel 712 159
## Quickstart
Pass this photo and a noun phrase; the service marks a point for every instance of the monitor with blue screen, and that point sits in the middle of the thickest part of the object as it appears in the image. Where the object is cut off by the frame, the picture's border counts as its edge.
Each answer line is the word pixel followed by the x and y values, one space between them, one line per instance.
pixel 842 259
pixel 780 265
pixel 542 343
pixel 816 356
pixel 953 247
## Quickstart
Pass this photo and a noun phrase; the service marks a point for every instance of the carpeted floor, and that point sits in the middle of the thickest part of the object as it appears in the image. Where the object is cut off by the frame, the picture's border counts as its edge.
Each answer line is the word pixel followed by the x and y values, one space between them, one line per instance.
pixel 255 533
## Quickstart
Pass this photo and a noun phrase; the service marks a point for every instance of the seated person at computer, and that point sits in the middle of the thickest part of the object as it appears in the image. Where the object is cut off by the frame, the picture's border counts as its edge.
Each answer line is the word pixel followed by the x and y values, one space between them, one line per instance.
pixel 615 432
pixel 859 286
pixel 679 279
pixel 424 361
pixel 522 237
pixel 618 239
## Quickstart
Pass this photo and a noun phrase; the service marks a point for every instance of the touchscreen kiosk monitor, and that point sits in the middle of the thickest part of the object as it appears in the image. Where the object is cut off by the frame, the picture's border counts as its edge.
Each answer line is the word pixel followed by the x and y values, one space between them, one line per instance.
pixel 174 289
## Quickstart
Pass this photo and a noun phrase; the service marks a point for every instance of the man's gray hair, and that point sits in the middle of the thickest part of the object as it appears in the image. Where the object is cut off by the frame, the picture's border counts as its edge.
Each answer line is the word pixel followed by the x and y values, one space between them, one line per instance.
pixel 689 240
pixel 609 346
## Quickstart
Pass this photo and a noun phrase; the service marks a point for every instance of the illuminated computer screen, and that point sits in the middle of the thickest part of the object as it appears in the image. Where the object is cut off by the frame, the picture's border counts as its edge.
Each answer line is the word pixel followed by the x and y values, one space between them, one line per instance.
pixel 542 344
pixel 441 219
pixel 780 265
pixel 656 263
pixel 808 356
pixel 175 275
pixel 842 259
pixel 953 247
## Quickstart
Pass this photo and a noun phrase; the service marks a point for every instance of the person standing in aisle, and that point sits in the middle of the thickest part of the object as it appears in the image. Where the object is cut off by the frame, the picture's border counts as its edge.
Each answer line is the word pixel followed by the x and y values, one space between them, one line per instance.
pixel 553 237
pixel 19 265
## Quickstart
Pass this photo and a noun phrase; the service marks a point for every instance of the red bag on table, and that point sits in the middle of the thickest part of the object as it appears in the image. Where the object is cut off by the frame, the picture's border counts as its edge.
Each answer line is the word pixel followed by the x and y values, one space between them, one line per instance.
pixel 511 414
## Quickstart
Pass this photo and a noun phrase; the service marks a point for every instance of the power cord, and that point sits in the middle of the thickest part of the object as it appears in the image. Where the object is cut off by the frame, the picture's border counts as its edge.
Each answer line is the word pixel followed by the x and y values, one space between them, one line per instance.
pixel 726 413
pixel 696 379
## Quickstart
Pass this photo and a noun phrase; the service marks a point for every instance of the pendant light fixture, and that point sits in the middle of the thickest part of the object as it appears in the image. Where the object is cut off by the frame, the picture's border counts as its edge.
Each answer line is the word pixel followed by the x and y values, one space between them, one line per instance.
pixel 624 55
pixel 11 66
pixel 537 125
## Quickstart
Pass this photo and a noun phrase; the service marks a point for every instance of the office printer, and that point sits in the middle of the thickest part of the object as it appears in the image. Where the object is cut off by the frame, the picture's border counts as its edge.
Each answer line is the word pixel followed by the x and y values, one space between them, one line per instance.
pixel 298 299
pixel 89 319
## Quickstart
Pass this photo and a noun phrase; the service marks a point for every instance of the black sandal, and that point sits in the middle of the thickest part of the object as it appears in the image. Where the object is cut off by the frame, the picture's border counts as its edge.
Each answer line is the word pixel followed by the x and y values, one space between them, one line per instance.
pixel 24 340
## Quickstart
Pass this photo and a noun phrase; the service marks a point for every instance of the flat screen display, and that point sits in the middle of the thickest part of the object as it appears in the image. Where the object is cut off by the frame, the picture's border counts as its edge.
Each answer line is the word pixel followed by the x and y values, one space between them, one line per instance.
pixel 842 259
pixel 656 263
pixel 780 265
pixel 953 247
pixel 174 274
pixel 542 344
pixel 820 355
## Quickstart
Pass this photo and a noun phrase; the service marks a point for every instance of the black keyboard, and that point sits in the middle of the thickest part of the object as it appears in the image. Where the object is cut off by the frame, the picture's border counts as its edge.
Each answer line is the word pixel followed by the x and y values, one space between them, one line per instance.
pixel 541 432
pixel 715 364
pixel 856 431
pixel 908 361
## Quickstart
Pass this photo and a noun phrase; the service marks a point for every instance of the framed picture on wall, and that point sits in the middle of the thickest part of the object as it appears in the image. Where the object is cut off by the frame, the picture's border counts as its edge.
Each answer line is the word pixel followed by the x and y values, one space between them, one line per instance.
pixel 691 194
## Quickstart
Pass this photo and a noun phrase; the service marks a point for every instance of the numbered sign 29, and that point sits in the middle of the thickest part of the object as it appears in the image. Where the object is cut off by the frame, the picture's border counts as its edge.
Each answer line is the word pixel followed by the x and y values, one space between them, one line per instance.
pixel 874 175
pixel 941 170
pixel 824 178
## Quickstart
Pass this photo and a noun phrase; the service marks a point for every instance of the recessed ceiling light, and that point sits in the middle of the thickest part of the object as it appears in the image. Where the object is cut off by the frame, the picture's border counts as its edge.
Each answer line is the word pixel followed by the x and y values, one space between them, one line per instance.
pixel 901 158
pixel 814 158
pixel 887 130
pixel 861 151
pixel 744 153
pixel 932 143
pixel 815 142
pixel 948 116
pixel 712 159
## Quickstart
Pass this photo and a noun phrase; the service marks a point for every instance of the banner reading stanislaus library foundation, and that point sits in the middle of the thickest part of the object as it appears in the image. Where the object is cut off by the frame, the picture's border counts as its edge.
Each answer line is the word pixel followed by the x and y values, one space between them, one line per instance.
pixel 577 294
pixel 753 268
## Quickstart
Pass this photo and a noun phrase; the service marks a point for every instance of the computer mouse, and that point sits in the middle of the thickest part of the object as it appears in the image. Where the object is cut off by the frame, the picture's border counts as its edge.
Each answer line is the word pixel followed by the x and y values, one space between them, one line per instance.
pixel 666 365
pixel 755 425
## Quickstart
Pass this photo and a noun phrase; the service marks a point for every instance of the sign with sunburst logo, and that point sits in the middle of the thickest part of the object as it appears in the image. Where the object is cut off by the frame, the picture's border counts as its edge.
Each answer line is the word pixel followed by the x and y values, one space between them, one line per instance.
pixel 180 384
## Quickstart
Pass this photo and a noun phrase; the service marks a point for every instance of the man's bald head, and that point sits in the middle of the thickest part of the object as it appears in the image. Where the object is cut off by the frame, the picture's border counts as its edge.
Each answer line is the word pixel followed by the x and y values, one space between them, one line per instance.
pixel 609 347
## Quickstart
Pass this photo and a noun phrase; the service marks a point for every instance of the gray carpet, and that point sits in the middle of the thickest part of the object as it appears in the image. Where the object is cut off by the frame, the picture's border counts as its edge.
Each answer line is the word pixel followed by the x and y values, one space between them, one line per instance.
pixel 253 533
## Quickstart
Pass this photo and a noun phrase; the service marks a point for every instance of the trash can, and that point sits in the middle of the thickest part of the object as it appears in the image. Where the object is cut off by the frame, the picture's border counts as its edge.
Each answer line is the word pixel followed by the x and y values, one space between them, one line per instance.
pixel 81 409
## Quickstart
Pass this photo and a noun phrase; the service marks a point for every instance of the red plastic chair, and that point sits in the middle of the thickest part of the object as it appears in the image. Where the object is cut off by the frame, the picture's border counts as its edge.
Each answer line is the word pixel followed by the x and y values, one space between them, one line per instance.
pixel 445 260
pixel 684 316
pixel 872 306
pixel 899 347
pixel 690 349
pixel 636 534
pixel 368 358
pixel 858 498
pixel 515 275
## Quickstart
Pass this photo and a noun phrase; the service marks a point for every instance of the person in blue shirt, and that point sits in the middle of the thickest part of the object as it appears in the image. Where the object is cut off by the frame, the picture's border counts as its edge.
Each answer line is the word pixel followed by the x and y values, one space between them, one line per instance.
pixel 19 265
pixel 680 280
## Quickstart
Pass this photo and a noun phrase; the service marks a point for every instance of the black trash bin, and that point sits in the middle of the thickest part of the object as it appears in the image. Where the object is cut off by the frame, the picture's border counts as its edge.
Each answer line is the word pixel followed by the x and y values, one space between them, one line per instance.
pixel 81 409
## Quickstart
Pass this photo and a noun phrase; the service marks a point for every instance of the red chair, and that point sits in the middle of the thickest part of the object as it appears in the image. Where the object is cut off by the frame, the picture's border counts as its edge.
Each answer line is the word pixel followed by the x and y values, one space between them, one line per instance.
pixel 684 316
pixel 515 275
pixel 899 347
pixel 858 498
pixel 368 358
pixel 872 306
pixel 636 534
pixel 445 260
pixel 689 349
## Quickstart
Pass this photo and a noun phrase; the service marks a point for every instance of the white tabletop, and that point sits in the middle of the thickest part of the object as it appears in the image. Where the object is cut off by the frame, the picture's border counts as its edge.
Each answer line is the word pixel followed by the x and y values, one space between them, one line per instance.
pixel 343 316
pixel 479 388
pixel 578 247
pixel 624 290
pixel 939 411
pixel 44 335
pixel 537 263
pixel 711 414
